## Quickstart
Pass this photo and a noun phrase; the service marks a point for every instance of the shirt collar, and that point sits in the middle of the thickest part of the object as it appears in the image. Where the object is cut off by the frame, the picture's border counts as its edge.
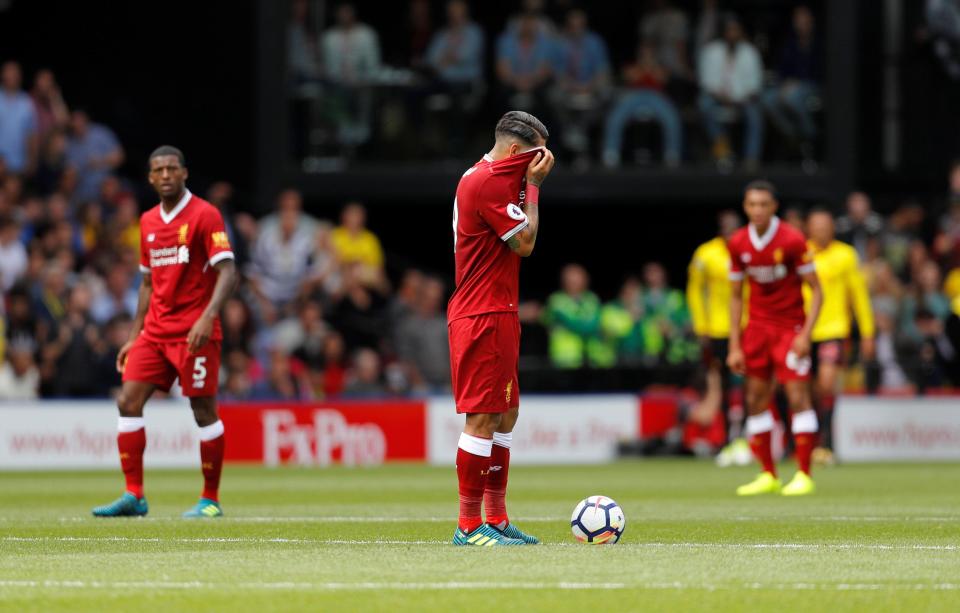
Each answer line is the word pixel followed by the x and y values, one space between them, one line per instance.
pixel 182 204
pixel 760 242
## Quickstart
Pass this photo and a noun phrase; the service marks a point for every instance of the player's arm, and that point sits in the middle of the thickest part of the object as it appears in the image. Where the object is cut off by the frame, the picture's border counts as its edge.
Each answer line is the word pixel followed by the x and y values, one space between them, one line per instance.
pixel 801 344
pixel 860 298
pixel 736 361
pixel 143 304
pixel 227 279
pixel 523 241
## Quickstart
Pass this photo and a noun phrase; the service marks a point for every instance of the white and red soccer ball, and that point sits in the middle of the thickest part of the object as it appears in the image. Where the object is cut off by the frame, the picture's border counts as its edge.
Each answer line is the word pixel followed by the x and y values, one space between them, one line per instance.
pixel 598 520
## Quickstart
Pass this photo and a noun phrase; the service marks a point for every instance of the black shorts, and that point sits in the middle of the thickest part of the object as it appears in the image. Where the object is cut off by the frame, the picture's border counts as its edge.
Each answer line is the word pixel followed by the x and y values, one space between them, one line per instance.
pixel 717 350
pixel 832 351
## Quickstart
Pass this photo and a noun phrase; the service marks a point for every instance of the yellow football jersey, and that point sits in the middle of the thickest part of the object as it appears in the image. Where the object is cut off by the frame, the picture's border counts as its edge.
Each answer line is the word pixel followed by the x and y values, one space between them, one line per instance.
pixel 844 293
pixel 708 289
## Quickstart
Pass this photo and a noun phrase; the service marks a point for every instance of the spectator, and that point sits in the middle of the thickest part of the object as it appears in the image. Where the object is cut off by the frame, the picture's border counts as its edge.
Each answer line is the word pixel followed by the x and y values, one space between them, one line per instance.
pixel 525 58
pixel 416 36
pixel 331 379
pixel 925 296
pixel 731 74
pixel 303 336
pixel 52 160
pixel 19 375
pixel 901 241
pixel 116 332
pixel 18 123
pixel 237 326
pixel 422 343
pixel 583 82
pixel 302 52
pixel 892 376
pixel 861 225
pixel 359 311
pixel 67 360
pixel 455 53
pixel 351 52
pixel 123 229
pixel 13 255
pixel 50 109
pixel 351 49
pixel 643 98
pixel 788 102
pixel 238 385
pixel 280 383
pixel 947 242
pixel 353 243
pixel 666 29
pixel 119 297
pixel 666 323
pixel 21 322
pixel 365 378
pixel 94 151
pixel 572 316
pixel 50 296
pixel 281 256
pixel 621 323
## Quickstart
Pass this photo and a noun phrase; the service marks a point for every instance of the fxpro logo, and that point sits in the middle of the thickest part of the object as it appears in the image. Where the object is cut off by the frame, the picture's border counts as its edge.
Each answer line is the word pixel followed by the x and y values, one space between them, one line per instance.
pixel 327 439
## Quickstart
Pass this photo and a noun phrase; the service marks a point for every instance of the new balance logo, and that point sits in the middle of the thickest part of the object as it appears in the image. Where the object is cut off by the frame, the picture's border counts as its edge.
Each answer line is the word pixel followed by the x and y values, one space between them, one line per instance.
pixel 494 469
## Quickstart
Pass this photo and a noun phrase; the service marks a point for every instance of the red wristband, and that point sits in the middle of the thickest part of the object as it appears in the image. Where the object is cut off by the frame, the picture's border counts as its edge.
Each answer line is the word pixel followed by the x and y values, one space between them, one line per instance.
pixel 532 195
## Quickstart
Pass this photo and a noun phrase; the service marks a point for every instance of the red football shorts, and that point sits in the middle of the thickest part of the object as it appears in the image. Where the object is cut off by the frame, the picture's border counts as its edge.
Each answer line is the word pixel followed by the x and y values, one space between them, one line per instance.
pixel 484 351
pixel 161 363
pixel 767 352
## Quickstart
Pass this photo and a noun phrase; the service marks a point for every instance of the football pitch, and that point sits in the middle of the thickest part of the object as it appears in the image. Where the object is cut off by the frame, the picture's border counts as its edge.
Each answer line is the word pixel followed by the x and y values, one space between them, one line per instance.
pixel 878 537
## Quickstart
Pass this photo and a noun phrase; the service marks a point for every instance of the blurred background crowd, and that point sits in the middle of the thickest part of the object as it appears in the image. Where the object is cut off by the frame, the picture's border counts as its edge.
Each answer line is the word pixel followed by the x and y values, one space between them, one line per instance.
pixel 334 304
pixel 684 87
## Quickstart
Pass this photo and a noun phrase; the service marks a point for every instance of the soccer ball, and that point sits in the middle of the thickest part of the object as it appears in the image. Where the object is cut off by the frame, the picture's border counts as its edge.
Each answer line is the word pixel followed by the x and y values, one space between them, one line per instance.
pixel 598 520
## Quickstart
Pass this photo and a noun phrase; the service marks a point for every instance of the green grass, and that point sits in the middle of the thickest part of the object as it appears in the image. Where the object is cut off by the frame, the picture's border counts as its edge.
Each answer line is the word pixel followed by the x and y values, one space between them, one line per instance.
pixel 882 537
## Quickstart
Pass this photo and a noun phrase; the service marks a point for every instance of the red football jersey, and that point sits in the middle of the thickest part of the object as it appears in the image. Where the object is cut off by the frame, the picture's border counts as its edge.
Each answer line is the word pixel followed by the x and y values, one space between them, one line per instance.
pixel 179 251
pixel 487 213
pixel 773 264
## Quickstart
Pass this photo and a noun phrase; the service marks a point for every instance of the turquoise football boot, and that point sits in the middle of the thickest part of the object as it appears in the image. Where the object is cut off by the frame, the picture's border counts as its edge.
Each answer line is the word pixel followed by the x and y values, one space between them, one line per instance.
pixel 206 508
pixel 127 505
pixel 511 531
pixel 484 536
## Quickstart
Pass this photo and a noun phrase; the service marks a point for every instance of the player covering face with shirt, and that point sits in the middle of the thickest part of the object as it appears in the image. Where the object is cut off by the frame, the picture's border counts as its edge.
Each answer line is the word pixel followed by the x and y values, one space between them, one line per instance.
pixel 775 345
pixel 495 223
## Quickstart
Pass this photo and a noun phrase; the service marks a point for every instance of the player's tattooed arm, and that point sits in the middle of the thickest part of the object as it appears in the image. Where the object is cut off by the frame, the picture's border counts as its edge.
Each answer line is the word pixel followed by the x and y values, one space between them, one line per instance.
pixel 227 279
pixel 523 241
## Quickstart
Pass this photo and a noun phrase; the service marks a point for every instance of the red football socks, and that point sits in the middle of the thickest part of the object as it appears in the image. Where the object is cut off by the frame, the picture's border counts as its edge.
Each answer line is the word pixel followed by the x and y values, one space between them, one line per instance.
pixel 495 493
pixel 804 426
pixel 211 459
pixel 131 441
pixel 760 445
pixel 473 466
pixel 758 429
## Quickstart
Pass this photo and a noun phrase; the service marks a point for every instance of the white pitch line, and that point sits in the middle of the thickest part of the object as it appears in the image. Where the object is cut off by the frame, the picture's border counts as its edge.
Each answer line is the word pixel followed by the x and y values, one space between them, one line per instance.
pixel 649 545
pixel 360 519
pixel 212 539
pixel 367 519
pixel 459 585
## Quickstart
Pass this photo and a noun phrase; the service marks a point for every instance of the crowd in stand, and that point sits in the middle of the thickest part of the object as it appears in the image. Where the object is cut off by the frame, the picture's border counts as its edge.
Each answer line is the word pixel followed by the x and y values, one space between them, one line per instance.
pixel 701 70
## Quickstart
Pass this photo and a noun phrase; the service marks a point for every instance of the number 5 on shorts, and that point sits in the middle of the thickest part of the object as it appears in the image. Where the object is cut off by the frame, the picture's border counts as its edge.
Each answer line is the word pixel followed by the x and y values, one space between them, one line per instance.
pixel 199 372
